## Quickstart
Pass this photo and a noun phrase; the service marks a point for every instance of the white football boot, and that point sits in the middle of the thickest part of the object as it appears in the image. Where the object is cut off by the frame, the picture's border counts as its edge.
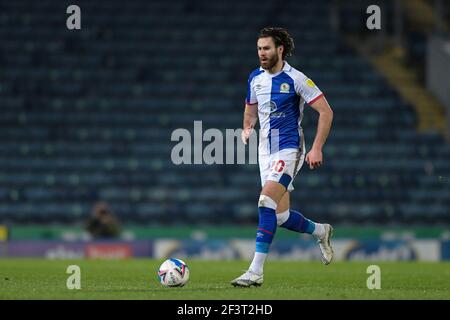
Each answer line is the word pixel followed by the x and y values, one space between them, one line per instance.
pixel 249 278
pixel 326 249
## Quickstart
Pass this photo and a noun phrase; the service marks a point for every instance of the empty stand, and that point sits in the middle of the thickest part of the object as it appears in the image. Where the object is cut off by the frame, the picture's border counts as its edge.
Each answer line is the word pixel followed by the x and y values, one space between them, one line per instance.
pixel 87 115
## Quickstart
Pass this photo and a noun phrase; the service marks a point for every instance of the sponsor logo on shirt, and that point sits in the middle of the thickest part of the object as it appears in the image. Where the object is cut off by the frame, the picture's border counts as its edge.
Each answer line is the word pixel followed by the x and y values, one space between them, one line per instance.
pixel 277 115
pixel 310 83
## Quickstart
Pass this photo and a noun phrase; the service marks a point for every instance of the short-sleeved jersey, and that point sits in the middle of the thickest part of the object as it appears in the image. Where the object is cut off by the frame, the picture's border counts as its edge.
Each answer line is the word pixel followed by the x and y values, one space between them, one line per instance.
pixel 280 98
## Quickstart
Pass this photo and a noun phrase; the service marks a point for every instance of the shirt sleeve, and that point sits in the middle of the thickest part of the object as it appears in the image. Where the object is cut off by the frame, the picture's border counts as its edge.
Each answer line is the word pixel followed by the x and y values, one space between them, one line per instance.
pixel 251 96
pixel 307 89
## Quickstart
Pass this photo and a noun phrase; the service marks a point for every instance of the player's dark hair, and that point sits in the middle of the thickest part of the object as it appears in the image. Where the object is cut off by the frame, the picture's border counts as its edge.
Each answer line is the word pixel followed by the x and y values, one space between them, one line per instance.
pixel 280 37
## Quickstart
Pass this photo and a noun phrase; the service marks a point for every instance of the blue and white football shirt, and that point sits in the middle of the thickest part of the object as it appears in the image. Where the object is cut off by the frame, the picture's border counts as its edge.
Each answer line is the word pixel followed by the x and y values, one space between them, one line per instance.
pixel 280 98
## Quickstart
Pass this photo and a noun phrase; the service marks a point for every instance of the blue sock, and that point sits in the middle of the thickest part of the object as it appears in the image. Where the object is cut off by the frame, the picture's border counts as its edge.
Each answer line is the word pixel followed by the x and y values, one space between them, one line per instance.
pixel 297 222
pixel 266 229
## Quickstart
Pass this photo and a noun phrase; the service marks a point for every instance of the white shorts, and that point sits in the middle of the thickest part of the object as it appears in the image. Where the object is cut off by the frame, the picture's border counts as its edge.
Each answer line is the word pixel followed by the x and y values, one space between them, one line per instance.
pixel 282 167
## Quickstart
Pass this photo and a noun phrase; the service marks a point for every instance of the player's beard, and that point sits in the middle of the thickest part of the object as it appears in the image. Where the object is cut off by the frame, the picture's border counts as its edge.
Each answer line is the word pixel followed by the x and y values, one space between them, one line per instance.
pixel 269 63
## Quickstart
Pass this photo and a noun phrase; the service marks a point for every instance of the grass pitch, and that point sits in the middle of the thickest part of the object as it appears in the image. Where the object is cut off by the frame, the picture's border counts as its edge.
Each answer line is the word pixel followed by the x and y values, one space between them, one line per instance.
pixel 286 280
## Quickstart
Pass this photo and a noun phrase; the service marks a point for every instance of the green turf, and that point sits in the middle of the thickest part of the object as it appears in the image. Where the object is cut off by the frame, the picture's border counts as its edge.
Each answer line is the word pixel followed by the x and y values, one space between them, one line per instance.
pixel 136 279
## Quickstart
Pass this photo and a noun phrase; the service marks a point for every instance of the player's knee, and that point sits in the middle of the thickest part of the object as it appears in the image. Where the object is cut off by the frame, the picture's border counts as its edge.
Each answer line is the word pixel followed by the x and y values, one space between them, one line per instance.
pixel 267 202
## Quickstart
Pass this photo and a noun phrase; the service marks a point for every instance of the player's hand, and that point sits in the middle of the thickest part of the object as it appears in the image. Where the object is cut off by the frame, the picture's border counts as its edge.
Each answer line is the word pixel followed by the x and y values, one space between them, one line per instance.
pixel 246 134
pixel 314 158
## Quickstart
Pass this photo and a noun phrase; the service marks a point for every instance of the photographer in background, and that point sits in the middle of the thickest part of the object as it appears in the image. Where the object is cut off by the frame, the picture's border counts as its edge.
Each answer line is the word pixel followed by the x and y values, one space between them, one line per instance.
pixel 103 223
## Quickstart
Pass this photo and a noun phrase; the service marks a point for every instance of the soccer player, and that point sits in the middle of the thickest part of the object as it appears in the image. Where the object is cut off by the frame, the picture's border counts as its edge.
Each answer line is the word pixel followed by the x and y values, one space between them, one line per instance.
pixel 276 96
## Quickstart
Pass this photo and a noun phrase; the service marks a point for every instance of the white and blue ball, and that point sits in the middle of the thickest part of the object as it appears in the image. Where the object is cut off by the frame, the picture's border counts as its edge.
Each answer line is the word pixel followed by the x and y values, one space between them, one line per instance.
pixel 173 273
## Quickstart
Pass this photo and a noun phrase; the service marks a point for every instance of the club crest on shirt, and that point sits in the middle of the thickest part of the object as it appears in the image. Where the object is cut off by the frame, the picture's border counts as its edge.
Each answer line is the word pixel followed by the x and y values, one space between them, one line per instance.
pixel 284 87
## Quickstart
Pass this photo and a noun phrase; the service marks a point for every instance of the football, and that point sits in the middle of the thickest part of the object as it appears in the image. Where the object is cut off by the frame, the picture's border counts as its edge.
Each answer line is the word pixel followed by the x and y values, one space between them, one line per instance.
pixel 173 273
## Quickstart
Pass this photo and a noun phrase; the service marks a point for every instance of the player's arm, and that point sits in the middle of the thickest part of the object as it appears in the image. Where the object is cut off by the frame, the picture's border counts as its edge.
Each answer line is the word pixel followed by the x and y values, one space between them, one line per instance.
pixel 314 157
pixel 250 119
